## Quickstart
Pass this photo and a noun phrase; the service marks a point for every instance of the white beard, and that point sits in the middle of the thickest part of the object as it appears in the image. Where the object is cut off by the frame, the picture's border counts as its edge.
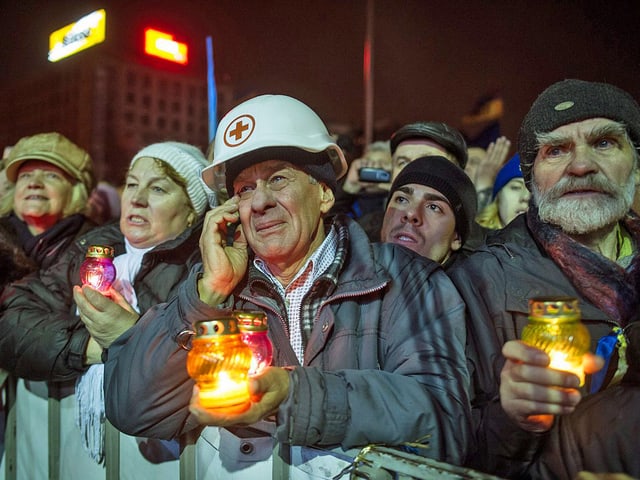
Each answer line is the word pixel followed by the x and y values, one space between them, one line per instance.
pixel 577 216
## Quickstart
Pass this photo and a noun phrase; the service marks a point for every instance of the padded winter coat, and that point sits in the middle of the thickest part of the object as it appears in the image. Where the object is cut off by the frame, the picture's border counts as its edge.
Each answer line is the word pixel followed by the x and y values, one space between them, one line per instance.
pixel 496 283
pixel 42 337
pixel 384 363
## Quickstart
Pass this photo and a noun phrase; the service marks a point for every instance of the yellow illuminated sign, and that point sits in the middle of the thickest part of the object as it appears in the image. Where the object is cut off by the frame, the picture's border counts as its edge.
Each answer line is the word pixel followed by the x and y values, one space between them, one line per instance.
pixel 77 36
pixel 160 44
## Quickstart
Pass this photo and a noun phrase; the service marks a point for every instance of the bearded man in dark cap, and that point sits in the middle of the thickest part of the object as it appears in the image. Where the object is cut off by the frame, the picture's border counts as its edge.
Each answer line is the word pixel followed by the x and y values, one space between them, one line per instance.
pixel 579 238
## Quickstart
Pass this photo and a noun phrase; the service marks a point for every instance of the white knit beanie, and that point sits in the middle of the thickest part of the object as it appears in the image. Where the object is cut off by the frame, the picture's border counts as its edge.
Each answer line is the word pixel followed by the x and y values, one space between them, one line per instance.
pixel 188 161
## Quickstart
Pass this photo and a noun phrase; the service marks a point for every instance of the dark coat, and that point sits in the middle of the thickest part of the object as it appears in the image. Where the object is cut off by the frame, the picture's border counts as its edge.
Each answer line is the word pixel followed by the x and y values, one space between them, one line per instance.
pixel 44 249
pixel 601 434
pixel 384 362
pixel 42 337
pixel 14 263
pixel 496 283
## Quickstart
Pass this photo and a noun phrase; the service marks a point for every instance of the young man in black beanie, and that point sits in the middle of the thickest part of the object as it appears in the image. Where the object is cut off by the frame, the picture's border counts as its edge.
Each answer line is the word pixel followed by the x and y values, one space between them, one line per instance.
pixel 578 148
pixel 412 141
pixel 431 209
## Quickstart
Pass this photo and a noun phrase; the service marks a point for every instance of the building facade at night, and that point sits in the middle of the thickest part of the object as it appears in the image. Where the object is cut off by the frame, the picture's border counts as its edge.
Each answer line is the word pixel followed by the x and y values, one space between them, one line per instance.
pixel 111 105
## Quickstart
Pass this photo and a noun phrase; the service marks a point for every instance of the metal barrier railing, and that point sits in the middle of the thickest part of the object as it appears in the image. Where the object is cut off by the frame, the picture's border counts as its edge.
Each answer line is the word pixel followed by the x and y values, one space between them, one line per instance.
pixel 374 461
pixel 53 432
pixel 8 388
pixel 8 391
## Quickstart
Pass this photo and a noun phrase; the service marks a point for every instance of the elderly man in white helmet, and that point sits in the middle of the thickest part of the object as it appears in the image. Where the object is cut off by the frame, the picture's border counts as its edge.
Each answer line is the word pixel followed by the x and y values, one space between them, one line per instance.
pixel 368 338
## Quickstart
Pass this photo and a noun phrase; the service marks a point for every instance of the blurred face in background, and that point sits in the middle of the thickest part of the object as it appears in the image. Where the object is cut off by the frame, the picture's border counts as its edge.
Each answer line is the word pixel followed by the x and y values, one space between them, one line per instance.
pixel 41 194
pixel 411 149
pixel 154 207
pixel 513 199
pixel 375 158
pixel 5 184
pixel 378 159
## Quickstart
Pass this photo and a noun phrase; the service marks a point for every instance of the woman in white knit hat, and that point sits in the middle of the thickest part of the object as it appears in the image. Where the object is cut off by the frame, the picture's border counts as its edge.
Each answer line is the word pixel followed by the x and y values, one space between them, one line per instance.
pixel 44 336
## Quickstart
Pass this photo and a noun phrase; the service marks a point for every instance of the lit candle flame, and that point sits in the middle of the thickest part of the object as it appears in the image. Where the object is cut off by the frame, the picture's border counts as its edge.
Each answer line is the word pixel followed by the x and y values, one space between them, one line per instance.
pixel 224 392
pixel 94 279
pixel 559 362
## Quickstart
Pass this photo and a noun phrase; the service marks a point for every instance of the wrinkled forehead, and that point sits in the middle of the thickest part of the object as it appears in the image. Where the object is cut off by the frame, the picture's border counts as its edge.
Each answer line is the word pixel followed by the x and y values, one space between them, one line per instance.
pixel 415 143
pixel 419 191
pixel 264 169
pixel 584 130
pixel 412 149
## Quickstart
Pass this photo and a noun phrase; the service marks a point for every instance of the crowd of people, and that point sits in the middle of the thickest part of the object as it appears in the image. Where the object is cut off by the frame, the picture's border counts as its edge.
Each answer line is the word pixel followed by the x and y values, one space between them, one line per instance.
pixel 396 288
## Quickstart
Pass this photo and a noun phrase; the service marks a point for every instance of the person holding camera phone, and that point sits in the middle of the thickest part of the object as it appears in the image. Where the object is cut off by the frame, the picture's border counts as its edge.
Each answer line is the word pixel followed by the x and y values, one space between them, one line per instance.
pixel 425 139
pixel 367 182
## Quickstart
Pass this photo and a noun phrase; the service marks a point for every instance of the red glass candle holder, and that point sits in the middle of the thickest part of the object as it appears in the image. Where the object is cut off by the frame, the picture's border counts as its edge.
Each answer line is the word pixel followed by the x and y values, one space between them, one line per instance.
pixel 98 270
pixel 253 325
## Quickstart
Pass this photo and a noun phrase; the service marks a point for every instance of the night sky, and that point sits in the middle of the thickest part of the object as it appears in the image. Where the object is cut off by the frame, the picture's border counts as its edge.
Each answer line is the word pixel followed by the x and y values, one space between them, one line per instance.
pixel 432 60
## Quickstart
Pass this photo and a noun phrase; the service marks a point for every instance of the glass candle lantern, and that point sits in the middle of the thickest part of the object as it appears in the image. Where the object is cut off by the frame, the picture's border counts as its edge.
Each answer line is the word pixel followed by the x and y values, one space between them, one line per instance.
pixel 98 270
pixel 219 362
pixel 254 328
pixel 555 327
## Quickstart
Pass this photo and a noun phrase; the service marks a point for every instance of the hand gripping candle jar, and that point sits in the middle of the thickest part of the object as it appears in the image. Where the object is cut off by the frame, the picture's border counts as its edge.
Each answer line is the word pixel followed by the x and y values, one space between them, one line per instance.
pixel 98 270
pixel 219 363
pixel 255 333
pixel 555 327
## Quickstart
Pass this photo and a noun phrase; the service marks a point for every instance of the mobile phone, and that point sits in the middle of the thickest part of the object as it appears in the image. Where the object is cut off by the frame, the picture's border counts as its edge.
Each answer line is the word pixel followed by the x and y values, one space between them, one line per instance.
pixel 231 232
pixel 377 175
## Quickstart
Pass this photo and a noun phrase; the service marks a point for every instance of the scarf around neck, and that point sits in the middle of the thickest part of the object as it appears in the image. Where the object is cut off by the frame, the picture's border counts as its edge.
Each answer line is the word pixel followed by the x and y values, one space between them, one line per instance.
pixel 604 283
pixel 50 242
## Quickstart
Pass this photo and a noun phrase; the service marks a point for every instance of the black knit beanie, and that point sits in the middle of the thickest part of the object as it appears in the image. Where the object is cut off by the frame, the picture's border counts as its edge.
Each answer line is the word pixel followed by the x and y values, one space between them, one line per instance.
pixel 316 164
pixel 444 176
pixel 571 101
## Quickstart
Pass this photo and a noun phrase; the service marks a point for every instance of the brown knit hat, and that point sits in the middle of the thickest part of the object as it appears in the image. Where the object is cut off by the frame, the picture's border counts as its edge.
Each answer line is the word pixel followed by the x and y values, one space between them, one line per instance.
pixel 571 101
pixel 56 149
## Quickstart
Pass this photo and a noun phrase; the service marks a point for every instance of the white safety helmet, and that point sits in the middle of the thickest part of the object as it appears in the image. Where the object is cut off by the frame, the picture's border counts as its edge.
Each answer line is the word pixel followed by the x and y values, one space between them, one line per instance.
pixel 264 122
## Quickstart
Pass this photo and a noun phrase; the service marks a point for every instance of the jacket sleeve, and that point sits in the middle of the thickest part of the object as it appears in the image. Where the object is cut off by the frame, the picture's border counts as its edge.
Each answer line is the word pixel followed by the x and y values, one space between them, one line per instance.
pixel 41 338
pixel 501 446
pixel 147 387
pixel 418 394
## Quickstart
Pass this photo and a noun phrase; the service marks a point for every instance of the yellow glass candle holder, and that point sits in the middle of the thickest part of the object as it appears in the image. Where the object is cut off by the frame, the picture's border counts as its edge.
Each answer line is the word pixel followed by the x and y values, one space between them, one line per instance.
pixel 219 362
pixel 555 327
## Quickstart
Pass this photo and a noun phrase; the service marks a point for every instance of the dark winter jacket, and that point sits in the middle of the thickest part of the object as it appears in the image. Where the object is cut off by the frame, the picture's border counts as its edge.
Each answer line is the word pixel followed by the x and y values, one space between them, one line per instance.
pixel 496 283
pixel 600 435
pixel 383 364
pixel 14 263
pixel 42 338
pixel 45 249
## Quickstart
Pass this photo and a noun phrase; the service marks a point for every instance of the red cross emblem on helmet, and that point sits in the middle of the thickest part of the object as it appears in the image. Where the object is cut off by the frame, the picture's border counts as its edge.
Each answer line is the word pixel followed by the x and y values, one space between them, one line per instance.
pixel 239 130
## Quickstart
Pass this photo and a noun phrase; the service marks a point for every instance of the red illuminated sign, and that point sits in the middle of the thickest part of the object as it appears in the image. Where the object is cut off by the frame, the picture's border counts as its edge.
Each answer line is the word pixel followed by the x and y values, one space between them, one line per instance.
pixel 160 44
